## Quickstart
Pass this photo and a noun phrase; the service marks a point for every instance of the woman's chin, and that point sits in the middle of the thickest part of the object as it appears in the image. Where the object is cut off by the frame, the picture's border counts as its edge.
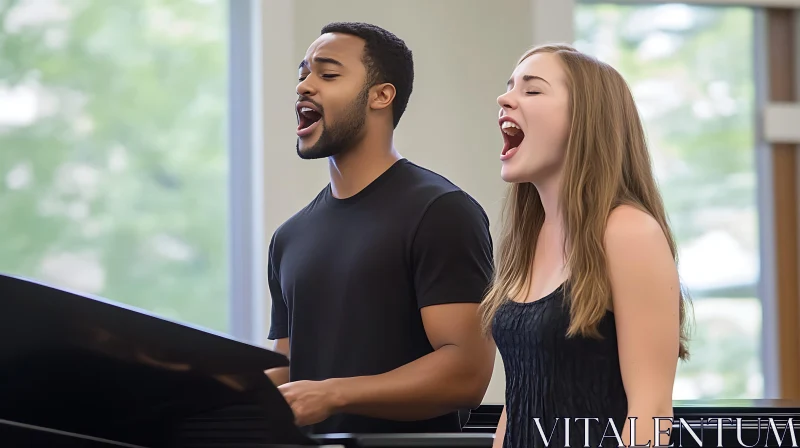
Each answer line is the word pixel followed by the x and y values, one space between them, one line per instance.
pixel 510 175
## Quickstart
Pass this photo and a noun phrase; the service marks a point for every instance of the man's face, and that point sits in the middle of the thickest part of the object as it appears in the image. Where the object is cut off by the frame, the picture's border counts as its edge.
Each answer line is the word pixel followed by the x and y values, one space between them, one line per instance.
pixel 332 96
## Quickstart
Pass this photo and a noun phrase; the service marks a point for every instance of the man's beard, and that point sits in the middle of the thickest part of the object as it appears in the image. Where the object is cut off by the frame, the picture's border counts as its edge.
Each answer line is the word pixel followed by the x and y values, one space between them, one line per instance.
pixel 342 135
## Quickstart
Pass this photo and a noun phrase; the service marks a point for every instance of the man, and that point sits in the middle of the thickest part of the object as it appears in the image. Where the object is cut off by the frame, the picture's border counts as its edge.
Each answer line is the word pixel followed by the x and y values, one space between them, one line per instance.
pixel 375 284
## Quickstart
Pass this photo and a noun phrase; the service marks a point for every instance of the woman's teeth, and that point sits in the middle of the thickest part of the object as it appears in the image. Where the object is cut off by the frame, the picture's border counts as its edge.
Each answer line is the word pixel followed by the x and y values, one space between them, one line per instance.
pixel 510 128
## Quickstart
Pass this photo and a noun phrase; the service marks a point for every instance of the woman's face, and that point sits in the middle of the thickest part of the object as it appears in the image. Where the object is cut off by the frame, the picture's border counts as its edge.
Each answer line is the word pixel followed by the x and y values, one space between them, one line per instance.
pixel 535 120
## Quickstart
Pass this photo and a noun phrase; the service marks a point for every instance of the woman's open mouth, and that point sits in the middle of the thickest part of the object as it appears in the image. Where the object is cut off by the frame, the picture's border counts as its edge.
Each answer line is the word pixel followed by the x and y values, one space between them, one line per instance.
pixel 512 138
pixel 308 118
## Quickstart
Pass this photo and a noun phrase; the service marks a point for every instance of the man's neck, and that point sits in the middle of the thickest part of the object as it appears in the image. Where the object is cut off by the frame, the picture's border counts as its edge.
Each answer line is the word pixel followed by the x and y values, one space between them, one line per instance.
pixel 359 166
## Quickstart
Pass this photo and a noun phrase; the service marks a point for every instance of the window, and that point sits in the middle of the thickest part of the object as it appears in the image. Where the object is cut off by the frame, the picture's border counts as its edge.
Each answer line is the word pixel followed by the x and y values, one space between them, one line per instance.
pixel 691 70
pixel 113 161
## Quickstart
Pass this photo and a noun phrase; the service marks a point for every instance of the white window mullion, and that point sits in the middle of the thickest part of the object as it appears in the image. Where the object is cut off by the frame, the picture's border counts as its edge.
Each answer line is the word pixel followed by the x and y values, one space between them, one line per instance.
pixel 246 181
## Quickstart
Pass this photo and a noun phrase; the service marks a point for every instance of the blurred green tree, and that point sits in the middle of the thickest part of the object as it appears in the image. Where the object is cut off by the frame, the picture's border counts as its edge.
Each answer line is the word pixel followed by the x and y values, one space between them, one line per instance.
pixel 113 154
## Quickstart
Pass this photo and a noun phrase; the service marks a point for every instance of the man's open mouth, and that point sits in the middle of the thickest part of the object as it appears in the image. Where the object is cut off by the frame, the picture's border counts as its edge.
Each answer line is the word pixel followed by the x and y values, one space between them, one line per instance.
pixel 307 115
pixel 512 136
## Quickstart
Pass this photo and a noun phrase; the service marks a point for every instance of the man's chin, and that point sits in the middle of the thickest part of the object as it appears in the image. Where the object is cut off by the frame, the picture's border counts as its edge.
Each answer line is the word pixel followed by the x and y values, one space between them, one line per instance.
pixel 316 151
pixel 306 149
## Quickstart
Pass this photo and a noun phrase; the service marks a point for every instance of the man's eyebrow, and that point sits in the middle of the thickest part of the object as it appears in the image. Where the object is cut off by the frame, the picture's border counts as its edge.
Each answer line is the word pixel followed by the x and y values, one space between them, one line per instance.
pixel 319 60
pixel 527 78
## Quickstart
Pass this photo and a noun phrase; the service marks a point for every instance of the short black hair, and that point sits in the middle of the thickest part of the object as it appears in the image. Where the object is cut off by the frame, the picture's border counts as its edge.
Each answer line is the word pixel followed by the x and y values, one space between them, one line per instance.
pixel 386 58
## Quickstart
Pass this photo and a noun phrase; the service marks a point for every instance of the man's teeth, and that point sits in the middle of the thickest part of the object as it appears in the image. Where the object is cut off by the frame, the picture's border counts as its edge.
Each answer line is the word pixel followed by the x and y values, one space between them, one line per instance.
pixel 510 128
pixel 306 109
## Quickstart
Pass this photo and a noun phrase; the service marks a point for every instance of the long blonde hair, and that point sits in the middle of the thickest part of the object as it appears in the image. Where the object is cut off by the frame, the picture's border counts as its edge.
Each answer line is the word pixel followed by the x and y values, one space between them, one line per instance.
pixel 607 164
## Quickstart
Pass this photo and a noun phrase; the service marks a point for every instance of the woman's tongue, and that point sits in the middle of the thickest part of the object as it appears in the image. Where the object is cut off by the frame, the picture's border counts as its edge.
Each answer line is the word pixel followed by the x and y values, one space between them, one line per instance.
pixel 512 139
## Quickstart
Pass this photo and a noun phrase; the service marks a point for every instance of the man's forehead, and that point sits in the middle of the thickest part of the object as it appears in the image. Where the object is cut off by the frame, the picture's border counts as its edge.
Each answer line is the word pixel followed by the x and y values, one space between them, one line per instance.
pixel 340 46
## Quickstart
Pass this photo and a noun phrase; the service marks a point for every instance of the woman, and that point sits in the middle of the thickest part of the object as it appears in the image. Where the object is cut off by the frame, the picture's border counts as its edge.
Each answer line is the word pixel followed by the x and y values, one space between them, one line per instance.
pixel 586 307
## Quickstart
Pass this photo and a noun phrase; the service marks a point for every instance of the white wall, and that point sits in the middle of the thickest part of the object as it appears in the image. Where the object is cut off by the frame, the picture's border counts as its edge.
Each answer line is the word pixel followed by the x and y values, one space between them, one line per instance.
pixel 464 51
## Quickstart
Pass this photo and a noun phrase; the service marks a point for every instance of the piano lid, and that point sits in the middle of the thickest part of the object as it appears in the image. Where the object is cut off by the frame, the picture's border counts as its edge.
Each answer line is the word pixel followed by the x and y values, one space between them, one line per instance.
pixel 57 317
pixel 90 366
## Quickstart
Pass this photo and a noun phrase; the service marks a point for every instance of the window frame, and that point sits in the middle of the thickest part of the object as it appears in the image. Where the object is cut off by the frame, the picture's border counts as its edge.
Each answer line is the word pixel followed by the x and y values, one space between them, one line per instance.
pixel 247 290
pixel 767 287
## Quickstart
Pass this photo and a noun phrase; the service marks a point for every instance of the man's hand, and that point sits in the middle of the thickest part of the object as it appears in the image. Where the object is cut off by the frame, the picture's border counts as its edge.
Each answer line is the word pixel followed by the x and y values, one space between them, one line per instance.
pixel 311 401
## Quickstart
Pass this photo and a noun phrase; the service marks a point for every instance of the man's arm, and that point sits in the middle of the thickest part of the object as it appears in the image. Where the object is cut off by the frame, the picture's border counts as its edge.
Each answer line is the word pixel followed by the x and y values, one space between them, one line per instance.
pixel 453 264
pixel 280 375
pixel 454 376
pixel 279 327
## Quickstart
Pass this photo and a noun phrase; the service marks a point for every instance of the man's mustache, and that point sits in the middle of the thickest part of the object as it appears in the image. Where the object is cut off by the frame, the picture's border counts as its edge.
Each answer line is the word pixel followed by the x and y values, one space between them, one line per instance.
pixel 309 100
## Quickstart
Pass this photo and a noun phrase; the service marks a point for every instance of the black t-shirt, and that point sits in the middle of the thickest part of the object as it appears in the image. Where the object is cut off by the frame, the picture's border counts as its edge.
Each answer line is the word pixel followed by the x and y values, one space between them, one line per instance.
pixel 348 278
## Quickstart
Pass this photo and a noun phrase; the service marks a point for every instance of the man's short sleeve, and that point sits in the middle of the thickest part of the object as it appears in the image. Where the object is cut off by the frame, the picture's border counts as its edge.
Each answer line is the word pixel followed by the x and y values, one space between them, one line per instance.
pixel 279 327
pixel 452 252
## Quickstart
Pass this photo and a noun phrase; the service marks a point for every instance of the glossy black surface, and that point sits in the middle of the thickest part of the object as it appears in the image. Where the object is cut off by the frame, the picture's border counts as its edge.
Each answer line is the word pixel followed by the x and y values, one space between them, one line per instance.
pixel 89 366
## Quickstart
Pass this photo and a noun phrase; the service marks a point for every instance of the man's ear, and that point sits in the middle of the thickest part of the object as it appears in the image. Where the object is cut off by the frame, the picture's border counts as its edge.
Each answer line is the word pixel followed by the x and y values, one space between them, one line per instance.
pixel 381 96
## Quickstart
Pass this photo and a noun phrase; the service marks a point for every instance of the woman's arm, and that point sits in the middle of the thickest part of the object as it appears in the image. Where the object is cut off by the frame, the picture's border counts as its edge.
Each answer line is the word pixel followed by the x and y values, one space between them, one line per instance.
pixel 646 294
pixel 500 434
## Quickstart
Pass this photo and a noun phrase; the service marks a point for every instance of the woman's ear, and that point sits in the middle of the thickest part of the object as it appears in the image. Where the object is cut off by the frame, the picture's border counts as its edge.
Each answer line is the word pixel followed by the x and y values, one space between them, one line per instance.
pixel 381 96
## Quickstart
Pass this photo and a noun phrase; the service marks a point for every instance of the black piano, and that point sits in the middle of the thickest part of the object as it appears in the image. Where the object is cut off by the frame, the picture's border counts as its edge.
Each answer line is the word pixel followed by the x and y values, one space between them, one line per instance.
pixel 81 371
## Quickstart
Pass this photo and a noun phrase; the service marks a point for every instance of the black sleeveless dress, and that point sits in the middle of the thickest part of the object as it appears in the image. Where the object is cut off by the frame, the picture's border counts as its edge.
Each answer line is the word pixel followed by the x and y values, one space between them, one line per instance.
pixel 552 377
